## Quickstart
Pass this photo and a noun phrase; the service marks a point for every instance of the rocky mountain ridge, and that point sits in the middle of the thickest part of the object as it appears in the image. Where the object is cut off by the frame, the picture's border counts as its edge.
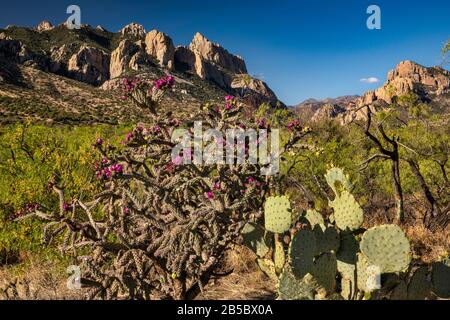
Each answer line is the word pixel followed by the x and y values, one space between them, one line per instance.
pixel 430 84
pixel 100 58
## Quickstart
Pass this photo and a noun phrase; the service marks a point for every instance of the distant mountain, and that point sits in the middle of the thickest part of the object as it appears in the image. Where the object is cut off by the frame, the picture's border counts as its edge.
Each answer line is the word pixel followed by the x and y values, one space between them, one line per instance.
pixel 432 85
pixel 47 56
pixel 314 110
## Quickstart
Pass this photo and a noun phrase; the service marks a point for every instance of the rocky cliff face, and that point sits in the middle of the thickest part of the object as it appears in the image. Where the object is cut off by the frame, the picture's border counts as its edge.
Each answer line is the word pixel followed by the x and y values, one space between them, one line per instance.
pixel 90 65
pixel 95 56
pixel 216 55
pixel 160 46
pixel 128 55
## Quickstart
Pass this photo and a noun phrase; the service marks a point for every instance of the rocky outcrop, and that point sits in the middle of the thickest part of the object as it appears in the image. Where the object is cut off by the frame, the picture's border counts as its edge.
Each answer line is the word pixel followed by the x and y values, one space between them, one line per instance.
pixel 58 58
pixel 328 111
pixel 100 28
pixel 44 26
pixel 429 84
pixel 15 51
pixel 216 55
pixel 89 65
pixel 407 77
pixel 246 85
pixel 160 46
pixel 184 59
pixel 211 62
pixel 316 110
pixel 133 30
pixel 128 55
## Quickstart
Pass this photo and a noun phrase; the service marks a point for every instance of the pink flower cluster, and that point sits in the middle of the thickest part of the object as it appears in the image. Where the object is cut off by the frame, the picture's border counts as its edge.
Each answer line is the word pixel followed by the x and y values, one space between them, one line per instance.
pixel 110 171
pixel 129 136
pixel 229 102
pixel 252 182
pixel 66 207
pixel 165 83
pixel 294 125
pixel 32 207
pixel 129 85
pixel 28 208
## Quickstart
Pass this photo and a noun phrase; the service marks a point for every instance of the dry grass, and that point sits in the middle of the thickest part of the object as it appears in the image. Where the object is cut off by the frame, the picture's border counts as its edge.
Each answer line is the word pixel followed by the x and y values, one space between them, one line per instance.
pixel 430 246
pixel 245 282
pixel 35 279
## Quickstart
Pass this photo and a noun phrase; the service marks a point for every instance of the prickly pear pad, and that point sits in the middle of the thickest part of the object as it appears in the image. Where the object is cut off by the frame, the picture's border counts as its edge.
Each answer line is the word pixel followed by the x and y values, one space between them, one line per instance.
pixel 347 212
pixel 302 250
pixel 277 212
pixel 386 247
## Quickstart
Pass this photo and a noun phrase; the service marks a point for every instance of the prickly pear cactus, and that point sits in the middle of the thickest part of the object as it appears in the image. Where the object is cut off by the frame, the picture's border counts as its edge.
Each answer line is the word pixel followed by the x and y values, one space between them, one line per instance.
pixel 314 218
pixel 278 216
pixel 419 287
pixel 268 267
pixel 386 247
pixel 324 271
pixel 290 288
pixel 400 292
pixel 363 273
pixel 256 238
pixel 327 239
pixel 302 250
pixel 337 180
pixel 441 278
pixel 347 256
pixel 348 214
pixel 348 289
pixel 279 256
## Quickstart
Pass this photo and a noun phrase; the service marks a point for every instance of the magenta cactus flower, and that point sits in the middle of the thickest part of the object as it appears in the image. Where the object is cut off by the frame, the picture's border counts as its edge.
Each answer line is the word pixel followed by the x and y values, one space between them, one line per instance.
pixel 178 161
pixel 210 195
pixel 294 125
pixel 129 137
pixel 66 207
pixel 165 83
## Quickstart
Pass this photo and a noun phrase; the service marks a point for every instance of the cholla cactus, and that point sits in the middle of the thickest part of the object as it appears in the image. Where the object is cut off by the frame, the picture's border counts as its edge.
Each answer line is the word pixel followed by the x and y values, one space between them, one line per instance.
pixel 160 226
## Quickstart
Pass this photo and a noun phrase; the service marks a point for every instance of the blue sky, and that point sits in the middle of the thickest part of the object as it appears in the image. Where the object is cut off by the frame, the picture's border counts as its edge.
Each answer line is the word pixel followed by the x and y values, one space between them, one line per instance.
pixel 302 49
